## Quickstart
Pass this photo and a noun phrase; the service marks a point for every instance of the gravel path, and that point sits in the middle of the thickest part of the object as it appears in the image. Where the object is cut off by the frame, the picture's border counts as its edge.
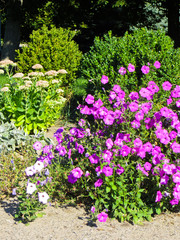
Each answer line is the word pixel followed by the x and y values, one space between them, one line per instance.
pixel 71 223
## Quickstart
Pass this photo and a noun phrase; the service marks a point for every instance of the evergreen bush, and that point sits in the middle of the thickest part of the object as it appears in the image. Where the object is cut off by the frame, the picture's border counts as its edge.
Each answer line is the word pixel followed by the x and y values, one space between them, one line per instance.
pixel 53 48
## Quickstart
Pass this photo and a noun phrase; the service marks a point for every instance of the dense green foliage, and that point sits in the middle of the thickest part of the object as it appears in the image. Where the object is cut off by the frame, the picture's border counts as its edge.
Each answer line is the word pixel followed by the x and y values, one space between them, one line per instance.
pixel 110 53
pixel 33 105
pixel 54 49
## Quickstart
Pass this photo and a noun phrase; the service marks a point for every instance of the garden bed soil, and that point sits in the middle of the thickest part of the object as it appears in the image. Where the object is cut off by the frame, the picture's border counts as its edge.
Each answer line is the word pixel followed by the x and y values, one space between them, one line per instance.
pixel 73 223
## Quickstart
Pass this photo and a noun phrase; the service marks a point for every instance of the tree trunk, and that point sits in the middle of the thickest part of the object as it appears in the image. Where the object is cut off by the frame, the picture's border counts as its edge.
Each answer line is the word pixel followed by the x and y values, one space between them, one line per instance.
pixel 12 30
pixel 173 21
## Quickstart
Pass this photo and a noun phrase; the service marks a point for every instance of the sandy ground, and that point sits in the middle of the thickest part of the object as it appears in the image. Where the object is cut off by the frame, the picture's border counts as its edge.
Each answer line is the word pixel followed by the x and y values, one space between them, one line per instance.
pixel 73 223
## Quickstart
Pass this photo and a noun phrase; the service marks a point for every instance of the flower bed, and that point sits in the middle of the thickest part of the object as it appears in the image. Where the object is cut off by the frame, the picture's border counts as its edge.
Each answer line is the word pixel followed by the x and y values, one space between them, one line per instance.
pixel 123 161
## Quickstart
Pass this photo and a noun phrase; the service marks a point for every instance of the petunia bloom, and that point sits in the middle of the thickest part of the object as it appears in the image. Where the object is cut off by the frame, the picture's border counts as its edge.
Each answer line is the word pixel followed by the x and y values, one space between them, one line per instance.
pixel 131 68
pixel 31 187
pixel 157 64
pixel 158 196
pixel 37 145
pixel 122 70
pixel 43 197
pixel 102 217
pixel 104 79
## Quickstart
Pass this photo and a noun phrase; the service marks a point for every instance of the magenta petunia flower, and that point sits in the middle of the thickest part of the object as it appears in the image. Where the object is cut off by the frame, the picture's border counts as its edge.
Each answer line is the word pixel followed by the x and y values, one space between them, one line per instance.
pixel 122 71
pixel 178 103
pixel 145 69
pixel 148 147
pixel 125 150
pixel 157 64
pixel 108 171
pixel 94 159
pixel 175 147
pixel 158 196
pixel 164 180
pixel 135 124
pixel 131 68
pixel 120 170
pixel 176 177
pixel 98 103
pixel 108 120
pixel 62 151
pixel 77 172
pixel 146 93
pixel 93 209
pixel 80 149
pixel 147 166
pixel 134 96
pixel 102 217
pixel 138 143
pixel 174 201
pixel 172 135
pixel 107 155
pixel 98 183
pixel 81 122
pixel 169 168
pixel 109 143
pixel 139 115
pixel 133 106
pixel 166 86
pixel 89 99
pixel 104 79
pixel 85 110
pixel 116 88
pixel 71 178
pixel 37 145
pixel 169 101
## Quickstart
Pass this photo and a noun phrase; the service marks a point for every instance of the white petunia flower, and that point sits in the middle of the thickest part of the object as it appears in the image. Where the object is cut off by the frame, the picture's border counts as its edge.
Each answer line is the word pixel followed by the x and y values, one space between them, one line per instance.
pixel 38 166
pixel 31 187
pixel 43 197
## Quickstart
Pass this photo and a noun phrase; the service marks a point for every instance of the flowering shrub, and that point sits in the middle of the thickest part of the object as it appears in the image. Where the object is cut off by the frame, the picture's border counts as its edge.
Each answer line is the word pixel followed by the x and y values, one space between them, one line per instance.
pixel 33 102
pixel 123 159
pixel 141 47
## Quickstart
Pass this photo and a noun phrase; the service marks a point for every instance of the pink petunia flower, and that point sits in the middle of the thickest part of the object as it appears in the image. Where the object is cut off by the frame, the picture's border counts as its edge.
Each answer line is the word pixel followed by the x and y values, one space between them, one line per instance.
pixel 108 171
pixel 157 64
pixel 104 79
pixel 158 196
pixel 145 69
pixel 102 217
pixel 122 71
pixel 98 183
pixel 94 159
pixel 134 96
pixel 166 86
pixel 37 145
pixel 131 68
pixel 77 172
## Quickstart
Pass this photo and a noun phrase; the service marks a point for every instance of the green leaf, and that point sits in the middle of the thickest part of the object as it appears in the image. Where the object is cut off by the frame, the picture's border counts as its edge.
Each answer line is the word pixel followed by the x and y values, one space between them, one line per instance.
pixel 108 189
pixel 40 215
pixel 158 211
pixel 20 118
pixel 19 123
pixel 114 187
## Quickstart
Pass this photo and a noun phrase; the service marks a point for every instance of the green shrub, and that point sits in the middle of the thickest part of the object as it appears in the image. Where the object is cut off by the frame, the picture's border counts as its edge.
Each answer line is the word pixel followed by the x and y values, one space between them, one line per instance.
pixel 54 49
pixel 110 53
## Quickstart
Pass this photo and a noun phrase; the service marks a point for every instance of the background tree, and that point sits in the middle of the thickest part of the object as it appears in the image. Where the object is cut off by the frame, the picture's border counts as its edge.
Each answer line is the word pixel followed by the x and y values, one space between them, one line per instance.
pixel 91 18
